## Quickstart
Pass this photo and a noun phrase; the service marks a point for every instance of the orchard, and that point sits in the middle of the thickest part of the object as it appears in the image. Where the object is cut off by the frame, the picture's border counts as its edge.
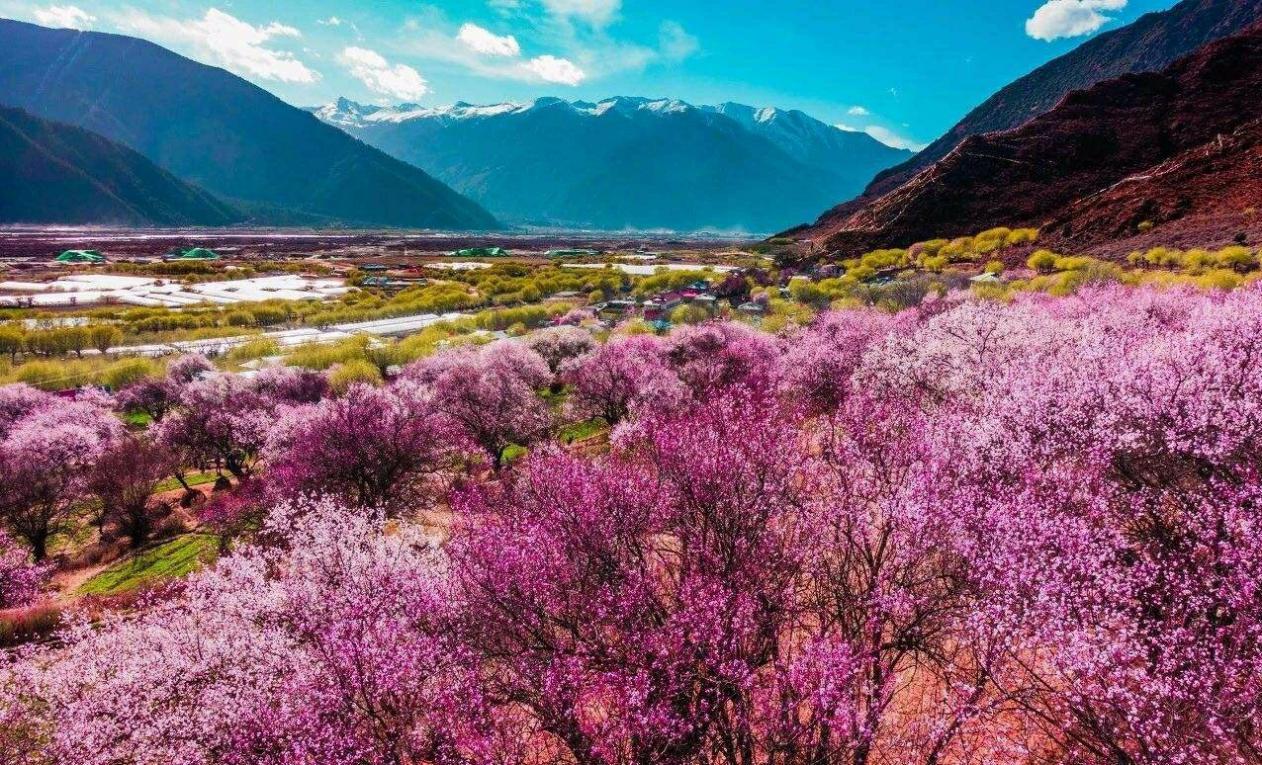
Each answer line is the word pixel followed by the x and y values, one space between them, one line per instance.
pixel 966 532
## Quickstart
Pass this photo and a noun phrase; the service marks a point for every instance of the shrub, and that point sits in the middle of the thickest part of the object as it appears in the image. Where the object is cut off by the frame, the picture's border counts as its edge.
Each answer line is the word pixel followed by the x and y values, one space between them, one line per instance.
pixel 689 313
pixel 124 372
pixel 1236 258
pixel 1043 261
pixel 254 349
pixel 343 376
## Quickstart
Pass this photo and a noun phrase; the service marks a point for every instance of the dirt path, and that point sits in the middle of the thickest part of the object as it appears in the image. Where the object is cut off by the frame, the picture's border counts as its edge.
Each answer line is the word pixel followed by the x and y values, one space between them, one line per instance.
pixel 67 583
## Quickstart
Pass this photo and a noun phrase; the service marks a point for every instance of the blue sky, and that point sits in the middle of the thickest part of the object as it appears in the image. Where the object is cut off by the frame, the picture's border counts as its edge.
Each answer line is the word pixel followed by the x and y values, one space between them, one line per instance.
pixel 904 70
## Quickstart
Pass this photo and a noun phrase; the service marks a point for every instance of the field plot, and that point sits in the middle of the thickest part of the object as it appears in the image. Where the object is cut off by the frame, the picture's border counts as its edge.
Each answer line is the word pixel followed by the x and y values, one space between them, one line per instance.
pixel 92 289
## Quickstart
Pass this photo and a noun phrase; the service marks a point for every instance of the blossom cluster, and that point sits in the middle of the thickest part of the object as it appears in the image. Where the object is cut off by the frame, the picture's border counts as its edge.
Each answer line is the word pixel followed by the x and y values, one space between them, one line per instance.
pixel 1021 532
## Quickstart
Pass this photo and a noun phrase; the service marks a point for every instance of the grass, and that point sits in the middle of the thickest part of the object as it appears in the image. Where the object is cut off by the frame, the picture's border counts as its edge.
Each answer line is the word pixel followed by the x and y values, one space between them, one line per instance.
pixel 513 453
pixel 581 431
pixel 194 479
pixel 137 420
pixel 23 625
pixel 162 562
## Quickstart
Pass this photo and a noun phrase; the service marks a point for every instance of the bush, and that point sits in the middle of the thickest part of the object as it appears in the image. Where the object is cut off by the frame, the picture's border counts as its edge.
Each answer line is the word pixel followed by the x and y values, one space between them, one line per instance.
pixel 1236 258
pixel 53 375
pixel 343 376
pixel 254 349
pixel 124 372
pixel 1021 236
pixel 935 264
pixel 1043 261
pixel 689 313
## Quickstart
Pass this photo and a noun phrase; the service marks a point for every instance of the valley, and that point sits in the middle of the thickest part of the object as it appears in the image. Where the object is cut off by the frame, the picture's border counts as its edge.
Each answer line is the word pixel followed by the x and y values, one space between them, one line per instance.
pixel 406 430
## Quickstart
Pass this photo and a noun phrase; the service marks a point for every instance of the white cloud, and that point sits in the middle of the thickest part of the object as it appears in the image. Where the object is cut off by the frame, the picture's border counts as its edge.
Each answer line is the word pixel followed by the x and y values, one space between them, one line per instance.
pixel 558 70
pixel 332 21
pixel 64 17
pixel 890 138
pixel 885 136
pixel 594 12
pixel 1056 19
pixel 675 43
pixel 858 111
pixel 484 42
pixel 222 39
pixel 395 81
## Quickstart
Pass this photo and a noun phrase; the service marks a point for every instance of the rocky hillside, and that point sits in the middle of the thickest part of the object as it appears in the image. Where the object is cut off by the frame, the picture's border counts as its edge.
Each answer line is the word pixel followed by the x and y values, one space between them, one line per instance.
pixel 54 173
pixel 1138 151
pixel 1151 43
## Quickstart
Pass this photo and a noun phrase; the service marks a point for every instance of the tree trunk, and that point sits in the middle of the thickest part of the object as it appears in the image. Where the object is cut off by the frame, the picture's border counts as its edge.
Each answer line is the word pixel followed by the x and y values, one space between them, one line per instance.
pixel 39 546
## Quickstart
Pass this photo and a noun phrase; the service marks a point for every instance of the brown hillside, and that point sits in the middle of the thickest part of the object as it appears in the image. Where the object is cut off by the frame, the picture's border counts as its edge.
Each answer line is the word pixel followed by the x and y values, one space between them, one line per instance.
pixel 1157 146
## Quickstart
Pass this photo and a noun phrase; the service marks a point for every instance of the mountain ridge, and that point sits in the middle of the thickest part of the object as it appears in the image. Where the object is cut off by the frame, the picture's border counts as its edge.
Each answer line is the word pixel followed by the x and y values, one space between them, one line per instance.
pixel 345 111
pixel 1150 43
pixel 210 127
pixel 57 173
pixel 625 162
pixel 1144 148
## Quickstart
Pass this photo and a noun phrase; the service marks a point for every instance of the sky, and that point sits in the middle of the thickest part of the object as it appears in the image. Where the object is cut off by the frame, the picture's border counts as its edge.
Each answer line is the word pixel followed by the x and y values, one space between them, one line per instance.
pixel 902 70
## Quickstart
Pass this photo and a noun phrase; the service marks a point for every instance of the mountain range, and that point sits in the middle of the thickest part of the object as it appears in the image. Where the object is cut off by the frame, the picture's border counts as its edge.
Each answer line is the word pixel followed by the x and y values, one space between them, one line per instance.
pixel 57 173
pixel 211 128
pixel 1135 153
pixel 627 163
pixel 1143 128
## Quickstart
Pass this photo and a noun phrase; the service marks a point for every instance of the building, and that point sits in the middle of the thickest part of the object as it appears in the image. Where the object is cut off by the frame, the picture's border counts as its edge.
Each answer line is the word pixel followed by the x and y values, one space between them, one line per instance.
pixel 708 302
pixel 481 252
pixel 195 253
pixel 614 310
pixel 660 305
pixel 80 256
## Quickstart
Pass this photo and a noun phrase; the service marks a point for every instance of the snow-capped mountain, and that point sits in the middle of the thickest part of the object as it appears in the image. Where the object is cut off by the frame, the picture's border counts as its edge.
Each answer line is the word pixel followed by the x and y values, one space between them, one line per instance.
pixel 627 162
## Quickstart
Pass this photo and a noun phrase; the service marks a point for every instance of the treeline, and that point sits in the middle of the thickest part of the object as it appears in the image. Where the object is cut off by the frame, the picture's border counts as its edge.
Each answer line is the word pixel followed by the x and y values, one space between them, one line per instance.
pixel 16 339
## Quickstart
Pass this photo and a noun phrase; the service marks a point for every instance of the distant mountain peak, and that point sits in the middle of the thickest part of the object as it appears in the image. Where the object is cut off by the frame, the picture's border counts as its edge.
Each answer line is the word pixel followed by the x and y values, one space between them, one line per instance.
pixel 345 112
pixel 626 161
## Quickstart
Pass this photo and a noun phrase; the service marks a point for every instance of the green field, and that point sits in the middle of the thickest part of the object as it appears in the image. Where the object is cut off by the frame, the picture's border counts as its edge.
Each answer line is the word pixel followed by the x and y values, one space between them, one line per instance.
pixel 153 565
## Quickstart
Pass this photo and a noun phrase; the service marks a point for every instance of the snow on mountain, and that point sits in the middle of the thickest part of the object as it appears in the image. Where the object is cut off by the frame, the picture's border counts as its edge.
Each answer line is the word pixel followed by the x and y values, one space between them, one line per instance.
pixel 626 162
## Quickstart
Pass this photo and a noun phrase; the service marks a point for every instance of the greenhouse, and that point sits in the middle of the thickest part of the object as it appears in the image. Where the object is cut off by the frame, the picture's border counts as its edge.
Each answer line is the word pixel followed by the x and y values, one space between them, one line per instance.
pixel 80 256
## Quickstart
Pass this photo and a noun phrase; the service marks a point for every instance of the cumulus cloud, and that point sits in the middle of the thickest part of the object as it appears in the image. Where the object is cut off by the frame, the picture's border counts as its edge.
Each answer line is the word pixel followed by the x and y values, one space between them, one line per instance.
pixel 675 43
pixel 371 68
pixel 858 111
pixel 64 17
pixel 594 12
pixel 1058 19
pixel 332 21
pixel 223 39
pixel 885 136
pixel 485 43
pixel 556 70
